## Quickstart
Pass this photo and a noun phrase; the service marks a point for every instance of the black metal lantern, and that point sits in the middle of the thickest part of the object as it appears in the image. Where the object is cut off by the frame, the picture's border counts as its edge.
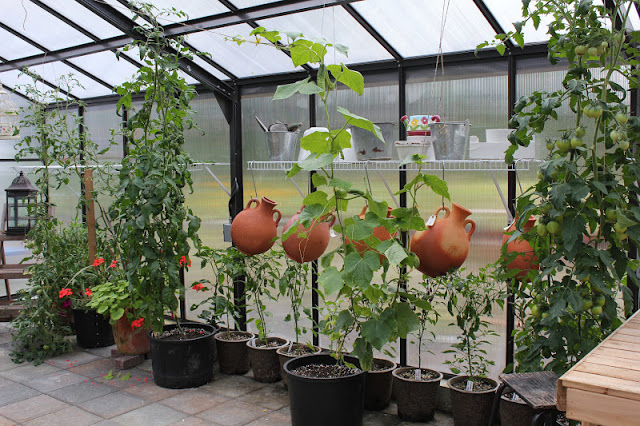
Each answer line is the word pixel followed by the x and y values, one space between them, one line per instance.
pixel 20 196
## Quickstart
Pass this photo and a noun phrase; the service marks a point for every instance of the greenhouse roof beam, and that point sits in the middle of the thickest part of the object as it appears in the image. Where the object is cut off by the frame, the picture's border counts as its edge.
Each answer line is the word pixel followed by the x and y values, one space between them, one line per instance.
pixel 373 32
pixel 493 22
pixel 216 21
pixel 127 26
pixel 69 64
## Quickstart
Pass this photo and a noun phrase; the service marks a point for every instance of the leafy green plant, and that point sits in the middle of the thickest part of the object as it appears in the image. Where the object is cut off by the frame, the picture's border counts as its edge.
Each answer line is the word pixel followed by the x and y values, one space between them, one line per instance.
pixel 470 300
pixel 585 198
pixel 356 304
pixel 422 299
pixel 150 220
pixel 293 284
pixel 262 272
pixel 113 299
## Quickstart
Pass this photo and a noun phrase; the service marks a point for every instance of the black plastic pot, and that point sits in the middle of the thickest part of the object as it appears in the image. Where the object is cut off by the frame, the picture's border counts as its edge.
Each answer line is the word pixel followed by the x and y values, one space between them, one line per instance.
pixel 264 360
pixel 179 364
pixel 233 355
pixel 471 408
pixel 92 329
pixel 417 400
pixel 515 413
pixel 320 401
pixel 377 393
pixel 283 357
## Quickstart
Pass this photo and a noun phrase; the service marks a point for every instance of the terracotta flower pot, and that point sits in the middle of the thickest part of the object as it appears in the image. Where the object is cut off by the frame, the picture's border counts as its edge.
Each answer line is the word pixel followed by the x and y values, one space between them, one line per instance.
pixel 380 232
pixel 471 408
pixel 526 259
pixel 417 399
pixel 253 231
pixel 130 340
pixel 264 359
pixel 308 244
pixel 445 244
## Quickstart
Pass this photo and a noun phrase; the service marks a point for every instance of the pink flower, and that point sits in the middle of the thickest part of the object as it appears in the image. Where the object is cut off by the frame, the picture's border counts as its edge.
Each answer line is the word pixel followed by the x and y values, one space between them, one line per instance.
pixel 64 292
pixel 114 263
pixel 137 323
pixel 424 120
pixel 66 303
pixel 99 261
pixel 198 287
pixel 88 292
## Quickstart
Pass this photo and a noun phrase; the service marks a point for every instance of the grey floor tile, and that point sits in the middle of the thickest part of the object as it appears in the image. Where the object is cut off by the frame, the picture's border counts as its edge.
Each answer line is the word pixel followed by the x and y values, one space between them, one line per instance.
pixel 71 416
pixel 31 408
pixel 101 352
pixel 5 361
pixel 378 418
pixel 112 404
pixel 233 413
pixel 233 386
pixel 193 421
pixel 125 379
pixel 275 418
pixel 94 368
pixel 153 414
pixel 23 372
pixel 6 422
pixel 273 397
pixel 151 392
pixel 80 392
pixel 194 401
pixel 16 392
pixel 55 380
pixel 4 382
pixel 74 359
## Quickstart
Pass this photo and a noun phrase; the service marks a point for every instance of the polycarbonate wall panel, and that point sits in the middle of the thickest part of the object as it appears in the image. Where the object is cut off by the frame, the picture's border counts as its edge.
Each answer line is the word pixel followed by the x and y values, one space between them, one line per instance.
pixel 245 60
pixel 107 67
pixel 208 143
pixel 13 47
pixel 337 26
pixel 474 92
pixel 414 27
pixel 30 20
pixel 83 17
pixel 101 121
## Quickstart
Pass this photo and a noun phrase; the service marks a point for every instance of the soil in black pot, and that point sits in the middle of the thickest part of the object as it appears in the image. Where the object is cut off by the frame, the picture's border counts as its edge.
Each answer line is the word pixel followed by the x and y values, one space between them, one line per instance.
pixel 233 355
pixel 324 371
pixel 186 334
pixel 417 397
pixel 264 359
pixel 378 384
pixel 471 408
pixel 293 351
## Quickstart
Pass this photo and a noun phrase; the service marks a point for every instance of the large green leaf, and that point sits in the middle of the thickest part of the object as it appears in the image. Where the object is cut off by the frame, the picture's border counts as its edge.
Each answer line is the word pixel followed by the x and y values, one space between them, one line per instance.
pixel 377 332
pixel 361 122
pixel 313 162
pixel 331 280
pixel 303 87
pixel 351 79
pixel 316 142
pixel 359 270
pixel 406 320
pixel 395 253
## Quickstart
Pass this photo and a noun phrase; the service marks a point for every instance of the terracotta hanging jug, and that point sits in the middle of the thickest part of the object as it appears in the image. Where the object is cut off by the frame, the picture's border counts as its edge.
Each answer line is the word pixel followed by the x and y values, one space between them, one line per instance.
pixel 307 244
pixel 526 259
pixel 445 244
pixel 253 231
pixel 380 232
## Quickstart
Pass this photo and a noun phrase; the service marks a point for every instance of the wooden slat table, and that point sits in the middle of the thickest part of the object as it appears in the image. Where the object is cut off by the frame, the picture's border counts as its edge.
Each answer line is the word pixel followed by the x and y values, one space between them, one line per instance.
pixel 604 387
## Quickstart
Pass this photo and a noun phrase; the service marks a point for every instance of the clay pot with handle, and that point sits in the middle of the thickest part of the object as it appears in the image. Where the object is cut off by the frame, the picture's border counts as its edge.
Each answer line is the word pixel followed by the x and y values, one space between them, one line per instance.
pixel 380 232
pixel 445 244
pixel 254 230
pixel 307 244
pixel 526 260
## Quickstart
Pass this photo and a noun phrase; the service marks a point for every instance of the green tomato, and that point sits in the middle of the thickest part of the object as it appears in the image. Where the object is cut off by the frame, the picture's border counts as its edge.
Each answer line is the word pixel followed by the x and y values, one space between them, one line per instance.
pixel 540 175
pixel 580 132
pixel 563 145
pixel 600 300
pixel 621 236
pixel 542 229
pixel 596 310
pixel 45 347
pixel 615 135
pixel 604 44
pixel 592 51
pixel 586 304
pixel 620 228
pixel 545 208
pixel 550 145
pixel 553 227
pixel 575 142
pixel 622 118
pixel 39 292
pixel 624 144
pixel 536 312
pixel 611 214
pixel 545 315
pixel 580 50
pixel 600 50
pixel 597 111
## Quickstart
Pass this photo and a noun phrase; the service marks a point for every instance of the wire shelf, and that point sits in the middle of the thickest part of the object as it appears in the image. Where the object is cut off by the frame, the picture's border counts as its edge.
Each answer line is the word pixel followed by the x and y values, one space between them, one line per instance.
pixel 114 166
pixel 462 165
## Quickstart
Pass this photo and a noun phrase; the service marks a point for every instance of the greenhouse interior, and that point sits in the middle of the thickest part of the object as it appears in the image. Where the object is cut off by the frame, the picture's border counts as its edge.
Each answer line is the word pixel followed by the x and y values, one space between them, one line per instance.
pixel 320 212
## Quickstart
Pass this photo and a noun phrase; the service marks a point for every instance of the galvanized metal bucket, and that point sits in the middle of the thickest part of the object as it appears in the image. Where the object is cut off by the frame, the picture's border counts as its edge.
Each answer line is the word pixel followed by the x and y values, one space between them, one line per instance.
pixel 451 140
pixel 282 146
pixel 368 146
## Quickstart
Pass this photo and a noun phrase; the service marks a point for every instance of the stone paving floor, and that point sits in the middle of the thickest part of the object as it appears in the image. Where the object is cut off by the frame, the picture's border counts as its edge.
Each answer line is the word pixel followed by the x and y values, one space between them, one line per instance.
pixel 75 389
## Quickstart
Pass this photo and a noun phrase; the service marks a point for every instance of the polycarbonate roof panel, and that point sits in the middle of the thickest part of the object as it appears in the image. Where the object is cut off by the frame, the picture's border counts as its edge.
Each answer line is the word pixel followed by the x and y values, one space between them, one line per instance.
pixel 13 47
pixel 14 79
pixel 213 71
pixel 336 25
pixel 634 19
pixel 120 7
pixel 508 12
pixel 413 27
pixel 84 18
pixel 241 4
pixel 246 60
pixel 134 53
pixel 53 70
pixel 193 9
pixel 40 26
pixel 107 67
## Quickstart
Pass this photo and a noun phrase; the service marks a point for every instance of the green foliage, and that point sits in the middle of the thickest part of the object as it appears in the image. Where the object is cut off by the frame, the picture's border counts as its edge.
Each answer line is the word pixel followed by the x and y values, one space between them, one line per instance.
pixel 470 300
pixel 150 220
pixel 293 284
pixel 585 196
pixel 113 299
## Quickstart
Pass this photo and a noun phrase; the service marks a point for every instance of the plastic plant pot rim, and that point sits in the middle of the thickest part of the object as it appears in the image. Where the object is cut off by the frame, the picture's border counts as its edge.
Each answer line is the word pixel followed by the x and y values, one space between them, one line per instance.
pixel 399 370
pixel 464 378
pixel 251 343
pixel 219 336
pixel 212 331
pixel 323 379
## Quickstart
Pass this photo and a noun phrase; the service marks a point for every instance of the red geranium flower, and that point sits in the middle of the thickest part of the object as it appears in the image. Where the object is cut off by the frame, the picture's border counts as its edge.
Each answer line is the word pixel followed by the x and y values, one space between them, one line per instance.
pixel 137 323
pixel 88 292
pixel 99 261
pixel 64 292
pixel 183 261
pixel 114 263
pixel 198 287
